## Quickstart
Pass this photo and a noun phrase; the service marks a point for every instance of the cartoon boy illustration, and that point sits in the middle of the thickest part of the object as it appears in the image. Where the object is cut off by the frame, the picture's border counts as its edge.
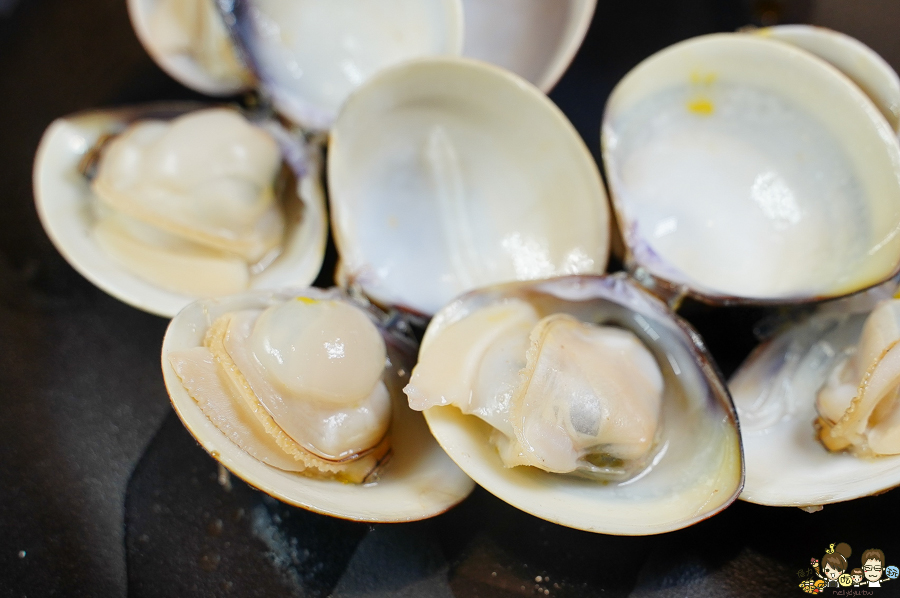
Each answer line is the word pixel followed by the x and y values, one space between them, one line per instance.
pixel 834 563
pixel 873 565
pixel 857 576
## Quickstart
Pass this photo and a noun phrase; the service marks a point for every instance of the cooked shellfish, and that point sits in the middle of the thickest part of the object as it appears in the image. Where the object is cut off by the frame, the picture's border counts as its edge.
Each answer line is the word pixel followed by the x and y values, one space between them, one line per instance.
pixel 776 392
pixel 656 432
pixel 235 233
pixel 275 383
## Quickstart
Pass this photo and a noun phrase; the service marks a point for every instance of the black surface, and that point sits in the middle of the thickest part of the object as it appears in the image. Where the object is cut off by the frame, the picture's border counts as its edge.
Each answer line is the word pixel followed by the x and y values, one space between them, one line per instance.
pixel 103 493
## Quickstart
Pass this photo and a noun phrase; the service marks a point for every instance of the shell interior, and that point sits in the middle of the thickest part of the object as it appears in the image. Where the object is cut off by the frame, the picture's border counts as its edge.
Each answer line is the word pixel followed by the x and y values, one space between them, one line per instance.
pixel 446 175
pixel 309 55
pixel 419 481
pixel 697 470
pixel 752 150
pixel 532 38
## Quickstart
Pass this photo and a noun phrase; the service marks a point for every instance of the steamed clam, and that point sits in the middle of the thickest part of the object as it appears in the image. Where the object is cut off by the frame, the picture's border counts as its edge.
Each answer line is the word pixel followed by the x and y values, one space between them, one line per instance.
pixel 818 406
pixel 633 408
pixel 188 39
pixel 183 203
pixel 297 392
pixel 727 152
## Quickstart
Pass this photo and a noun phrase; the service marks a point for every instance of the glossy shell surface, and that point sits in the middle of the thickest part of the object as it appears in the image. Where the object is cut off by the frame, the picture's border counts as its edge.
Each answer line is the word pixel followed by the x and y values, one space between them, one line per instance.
pixel 447 175
pixel 752 150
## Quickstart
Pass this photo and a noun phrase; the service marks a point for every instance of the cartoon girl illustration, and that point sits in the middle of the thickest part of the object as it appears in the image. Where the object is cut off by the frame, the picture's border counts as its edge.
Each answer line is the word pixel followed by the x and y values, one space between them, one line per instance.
pixel 834 563
pixel 873 566
pixel 857 575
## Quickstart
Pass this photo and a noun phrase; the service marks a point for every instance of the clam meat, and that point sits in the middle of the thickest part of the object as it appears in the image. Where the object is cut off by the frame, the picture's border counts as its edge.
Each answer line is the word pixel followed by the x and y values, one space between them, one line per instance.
pixel 190 205
pixel 592 377
pixel 297 385
pixel 564 395
pixel 298 392
pixel 859 404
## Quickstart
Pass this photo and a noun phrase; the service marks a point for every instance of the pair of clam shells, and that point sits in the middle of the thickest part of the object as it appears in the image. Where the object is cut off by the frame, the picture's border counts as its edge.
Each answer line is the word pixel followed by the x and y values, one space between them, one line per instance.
pixel 434 157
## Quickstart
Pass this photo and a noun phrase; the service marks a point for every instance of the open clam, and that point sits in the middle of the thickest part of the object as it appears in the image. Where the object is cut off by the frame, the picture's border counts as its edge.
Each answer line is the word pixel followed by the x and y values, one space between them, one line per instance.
pixel 726 153
pixel 271 383
pixel 135 239
pixel 447 175
pixel 653 442
pixel 188 40
pixel 826 382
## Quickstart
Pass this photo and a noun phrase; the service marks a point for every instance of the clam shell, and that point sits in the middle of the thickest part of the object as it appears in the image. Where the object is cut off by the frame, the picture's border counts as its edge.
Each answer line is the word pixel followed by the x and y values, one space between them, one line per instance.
pixel 183 67
pixel 448 174
pixel 775 391
pixel 64 203
pixel 534 39
pixel 310 54
pixel 859 62
pixel 696 474
pixel 746 170
pixel 419 481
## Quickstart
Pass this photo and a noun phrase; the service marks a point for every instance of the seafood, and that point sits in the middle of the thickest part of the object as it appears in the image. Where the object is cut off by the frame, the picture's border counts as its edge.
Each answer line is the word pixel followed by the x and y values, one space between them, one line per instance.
pixel 296 391
pixel 199 215
pixel 190 204
pixel 584 375
pixel 446 175
pixel 728 146
pixel 827 371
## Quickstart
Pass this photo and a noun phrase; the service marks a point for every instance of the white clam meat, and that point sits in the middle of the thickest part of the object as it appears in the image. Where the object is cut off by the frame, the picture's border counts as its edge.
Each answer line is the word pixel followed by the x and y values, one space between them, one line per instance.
pixel 200 186
pixel 565 395
pixel 581 400
pixel 447 175
pixel 829 381
pixel 727 152
pixel 182 203
pixel 297 393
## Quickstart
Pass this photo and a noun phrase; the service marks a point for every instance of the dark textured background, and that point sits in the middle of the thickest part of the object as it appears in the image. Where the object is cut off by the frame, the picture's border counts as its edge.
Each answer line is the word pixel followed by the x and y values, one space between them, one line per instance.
pixel 103 492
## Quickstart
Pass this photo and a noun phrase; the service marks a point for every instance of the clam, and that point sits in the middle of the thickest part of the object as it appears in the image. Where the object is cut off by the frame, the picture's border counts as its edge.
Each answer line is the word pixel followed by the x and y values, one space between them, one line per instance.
pixel 726 153
pixel 447 174
pixel 582 400
pixel 298 393
pixel 182 203
pixel 188 40
pixel 818 406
